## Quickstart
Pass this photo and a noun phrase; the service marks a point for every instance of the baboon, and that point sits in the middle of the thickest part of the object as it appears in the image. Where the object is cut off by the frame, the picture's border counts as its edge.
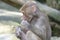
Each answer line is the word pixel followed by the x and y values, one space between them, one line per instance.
pixel 39 22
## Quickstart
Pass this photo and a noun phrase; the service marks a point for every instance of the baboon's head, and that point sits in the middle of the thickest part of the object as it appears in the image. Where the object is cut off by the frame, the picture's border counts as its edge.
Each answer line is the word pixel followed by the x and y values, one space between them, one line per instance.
pixel 29 10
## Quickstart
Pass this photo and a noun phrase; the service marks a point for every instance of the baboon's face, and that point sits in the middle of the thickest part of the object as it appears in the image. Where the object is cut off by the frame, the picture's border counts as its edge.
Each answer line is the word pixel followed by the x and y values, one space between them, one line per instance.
pixel 28 13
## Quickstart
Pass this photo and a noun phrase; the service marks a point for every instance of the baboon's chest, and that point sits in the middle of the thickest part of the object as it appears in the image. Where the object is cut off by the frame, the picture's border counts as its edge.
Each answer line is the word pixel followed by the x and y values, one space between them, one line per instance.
pixel 33 20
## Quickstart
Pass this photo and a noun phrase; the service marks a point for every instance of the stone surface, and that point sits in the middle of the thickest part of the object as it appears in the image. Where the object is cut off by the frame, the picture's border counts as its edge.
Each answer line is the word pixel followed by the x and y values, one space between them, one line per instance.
pixel 8 37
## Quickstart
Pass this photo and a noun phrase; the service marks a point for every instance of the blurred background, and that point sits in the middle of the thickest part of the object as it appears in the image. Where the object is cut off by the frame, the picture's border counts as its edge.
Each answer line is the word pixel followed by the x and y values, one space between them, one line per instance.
pixel 10 17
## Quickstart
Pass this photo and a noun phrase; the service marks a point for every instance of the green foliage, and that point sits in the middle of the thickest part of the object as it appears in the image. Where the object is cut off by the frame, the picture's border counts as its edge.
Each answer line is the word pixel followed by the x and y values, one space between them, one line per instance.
pixel 54 3
pixel 42 1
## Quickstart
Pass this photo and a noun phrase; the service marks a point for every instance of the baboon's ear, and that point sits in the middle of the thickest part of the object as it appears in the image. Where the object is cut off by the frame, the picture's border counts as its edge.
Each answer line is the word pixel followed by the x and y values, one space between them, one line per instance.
pixel 33 8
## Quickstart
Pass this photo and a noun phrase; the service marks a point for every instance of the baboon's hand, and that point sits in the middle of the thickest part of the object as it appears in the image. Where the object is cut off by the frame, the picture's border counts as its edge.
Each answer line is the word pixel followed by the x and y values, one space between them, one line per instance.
pixel 18 32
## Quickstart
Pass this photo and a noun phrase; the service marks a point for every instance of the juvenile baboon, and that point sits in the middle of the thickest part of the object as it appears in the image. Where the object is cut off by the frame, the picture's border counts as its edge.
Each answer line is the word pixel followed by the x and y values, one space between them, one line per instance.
pixel 39 22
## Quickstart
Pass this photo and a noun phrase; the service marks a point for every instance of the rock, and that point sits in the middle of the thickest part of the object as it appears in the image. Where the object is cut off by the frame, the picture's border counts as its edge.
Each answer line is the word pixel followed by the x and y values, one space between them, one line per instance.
pixel 55 38
pixel 9 20
pixel 9 16
pixel 8 37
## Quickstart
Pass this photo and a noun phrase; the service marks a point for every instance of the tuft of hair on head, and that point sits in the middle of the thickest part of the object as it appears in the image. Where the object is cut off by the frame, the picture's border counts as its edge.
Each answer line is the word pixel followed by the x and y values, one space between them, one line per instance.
pixel 31 2
pixel 28 3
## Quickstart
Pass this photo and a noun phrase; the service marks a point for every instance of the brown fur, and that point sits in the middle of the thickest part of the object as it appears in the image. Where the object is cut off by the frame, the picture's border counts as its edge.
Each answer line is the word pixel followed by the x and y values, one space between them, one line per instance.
pixel 39 22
